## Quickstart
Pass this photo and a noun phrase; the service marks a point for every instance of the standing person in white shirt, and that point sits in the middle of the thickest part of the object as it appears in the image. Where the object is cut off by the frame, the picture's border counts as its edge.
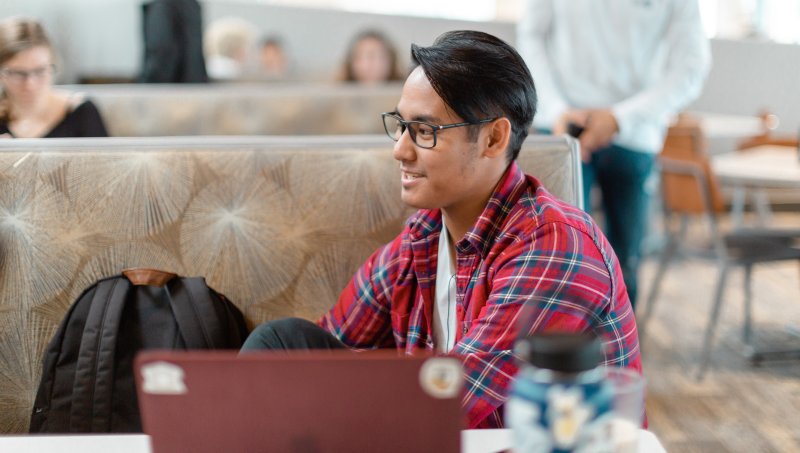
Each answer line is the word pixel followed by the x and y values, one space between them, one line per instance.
pixel 618 69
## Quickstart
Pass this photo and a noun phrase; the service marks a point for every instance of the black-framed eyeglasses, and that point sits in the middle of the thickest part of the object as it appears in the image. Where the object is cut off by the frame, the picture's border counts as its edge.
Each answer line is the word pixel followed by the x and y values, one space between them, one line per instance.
pixel 422 133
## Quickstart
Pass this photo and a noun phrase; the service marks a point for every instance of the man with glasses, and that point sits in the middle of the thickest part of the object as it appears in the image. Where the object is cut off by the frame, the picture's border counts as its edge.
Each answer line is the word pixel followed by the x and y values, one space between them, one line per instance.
pixel 490 254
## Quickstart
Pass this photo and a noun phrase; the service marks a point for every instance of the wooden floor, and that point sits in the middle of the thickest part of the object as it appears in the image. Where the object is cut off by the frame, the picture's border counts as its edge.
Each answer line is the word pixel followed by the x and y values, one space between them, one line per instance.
pixel 737 407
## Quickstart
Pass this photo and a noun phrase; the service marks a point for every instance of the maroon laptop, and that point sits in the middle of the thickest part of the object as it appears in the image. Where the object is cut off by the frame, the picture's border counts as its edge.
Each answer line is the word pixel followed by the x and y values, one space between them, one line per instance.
pixel 203 401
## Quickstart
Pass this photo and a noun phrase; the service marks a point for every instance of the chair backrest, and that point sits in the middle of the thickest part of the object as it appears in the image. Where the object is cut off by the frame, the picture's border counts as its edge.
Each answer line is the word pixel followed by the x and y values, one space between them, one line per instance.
pixel 277 224
pixel 682 191
pixel 767 139
pixel 148 110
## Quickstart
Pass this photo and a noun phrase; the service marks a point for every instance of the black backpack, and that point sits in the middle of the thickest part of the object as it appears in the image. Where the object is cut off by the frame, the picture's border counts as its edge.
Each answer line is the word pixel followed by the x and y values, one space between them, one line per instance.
pixel 88 382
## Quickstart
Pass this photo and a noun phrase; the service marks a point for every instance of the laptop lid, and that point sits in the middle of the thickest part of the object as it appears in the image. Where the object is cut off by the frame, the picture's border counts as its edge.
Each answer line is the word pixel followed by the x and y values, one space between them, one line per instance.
pixel 201 401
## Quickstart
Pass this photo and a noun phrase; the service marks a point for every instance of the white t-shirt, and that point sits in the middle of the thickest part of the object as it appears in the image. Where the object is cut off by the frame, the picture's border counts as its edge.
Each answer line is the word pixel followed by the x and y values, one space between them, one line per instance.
pixel 444 310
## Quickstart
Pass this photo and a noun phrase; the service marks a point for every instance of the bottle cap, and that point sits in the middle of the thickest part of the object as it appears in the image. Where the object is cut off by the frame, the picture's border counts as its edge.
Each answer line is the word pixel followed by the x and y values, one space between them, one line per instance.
pixel 564 352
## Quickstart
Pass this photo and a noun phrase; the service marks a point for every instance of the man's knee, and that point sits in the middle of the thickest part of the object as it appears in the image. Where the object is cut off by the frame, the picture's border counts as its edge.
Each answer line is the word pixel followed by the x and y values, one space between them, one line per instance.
pixel 290 333
pixel 270 334
pixel 290 326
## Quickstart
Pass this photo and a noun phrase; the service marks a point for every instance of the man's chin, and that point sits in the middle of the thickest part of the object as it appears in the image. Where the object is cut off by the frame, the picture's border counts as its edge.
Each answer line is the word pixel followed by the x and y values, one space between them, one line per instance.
pixel 416 203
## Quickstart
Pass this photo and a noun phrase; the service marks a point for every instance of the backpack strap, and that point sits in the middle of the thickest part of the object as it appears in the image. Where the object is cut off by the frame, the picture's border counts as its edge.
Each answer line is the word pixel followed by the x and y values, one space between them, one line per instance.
pixel 192 303
pixel 94 372
pixel 237 327
pixel 44 394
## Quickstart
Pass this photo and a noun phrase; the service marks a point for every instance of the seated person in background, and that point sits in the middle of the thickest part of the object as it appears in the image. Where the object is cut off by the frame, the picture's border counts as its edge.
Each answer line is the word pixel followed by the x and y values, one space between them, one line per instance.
pixel 228 43
pixel 29 107
pixel 273 63
pixel 491 254
pixel 371 59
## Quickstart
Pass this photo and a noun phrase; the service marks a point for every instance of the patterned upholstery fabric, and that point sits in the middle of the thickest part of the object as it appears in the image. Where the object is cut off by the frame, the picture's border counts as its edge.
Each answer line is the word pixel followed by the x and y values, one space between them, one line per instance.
pixel 277 224
pixel 146 110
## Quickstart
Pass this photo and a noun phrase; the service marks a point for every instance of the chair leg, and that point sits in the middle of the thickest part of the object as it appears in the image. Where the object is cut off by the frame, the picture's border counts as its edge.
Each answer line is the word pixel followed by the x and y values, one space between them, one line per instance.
pixel 763 208
pixel 747 331
pixel 663 262
pixel 754 355
pixel 712 320
pixel 737 206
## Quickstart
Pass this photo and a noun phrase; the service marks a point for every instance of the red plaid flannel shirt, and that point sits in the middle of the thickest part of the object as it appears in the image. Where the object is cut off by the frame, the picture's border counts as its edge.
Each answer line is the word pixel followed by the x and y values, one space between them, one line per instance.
pixel 530 262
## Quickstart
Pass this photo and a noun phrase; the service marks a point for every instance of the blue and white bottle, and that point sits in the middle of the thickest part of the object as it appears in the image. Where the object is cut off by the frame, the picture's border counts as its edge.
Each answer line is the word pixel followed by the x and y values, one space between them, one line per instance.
pixel 560 401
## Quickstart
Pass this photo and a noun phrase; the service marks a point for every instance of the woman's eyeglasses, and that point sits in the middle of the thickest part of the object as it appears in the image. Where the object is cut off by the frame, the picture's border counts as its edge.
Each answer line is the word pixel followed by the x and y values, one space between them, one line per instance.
pixel 17 76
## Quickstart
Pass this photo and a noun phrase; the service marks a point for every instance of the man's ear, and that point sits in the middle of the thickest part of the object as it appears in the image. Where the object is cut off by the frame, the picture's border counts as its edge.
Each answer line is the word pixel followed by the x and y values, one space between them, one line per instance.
pixel 496 137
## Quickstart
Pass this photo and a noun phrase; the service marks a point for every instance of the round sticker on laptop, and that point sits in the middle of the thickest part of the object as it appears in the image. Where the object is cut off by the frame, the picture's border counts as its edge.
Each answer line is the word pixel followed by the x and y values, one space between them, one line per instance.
pixel 441 377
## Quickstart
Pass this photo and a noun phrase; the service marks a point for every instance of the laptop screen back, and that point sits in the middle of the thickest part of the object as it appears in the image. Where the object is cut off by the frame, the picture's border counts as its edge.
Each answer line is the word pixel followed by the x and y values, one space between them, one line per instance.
pixel 202 401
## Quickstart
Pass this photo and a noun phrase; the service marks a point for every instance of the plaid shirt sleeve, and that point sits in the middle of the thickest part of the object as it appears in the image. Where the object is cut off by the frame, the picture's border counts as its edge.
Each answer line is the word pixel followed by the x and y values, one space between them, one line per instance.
pixel 539 278
pixel 553 278
pixel 362 316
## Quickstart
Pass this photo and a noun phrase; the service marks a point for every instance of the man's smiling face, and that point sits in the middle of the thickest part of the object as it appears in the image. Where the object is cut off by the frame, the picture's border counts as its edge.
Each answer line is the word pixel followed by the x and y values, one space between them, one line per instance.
pixel 448 174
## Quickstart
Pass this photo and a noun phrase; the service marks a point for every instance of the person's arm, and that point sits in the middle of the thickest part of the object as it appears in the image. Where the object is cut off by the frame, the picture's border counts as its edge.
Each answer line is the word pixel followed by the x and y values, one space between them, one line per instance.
pixel 362 316
pixel 532 35
pixel 687 65
pixel 555 280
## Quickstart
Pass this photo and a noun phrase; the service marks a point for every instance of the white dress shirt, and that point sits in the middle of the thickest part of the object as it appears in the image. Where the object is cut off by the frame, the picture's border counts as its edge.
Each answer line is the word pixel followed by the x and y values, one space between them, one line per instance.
pixel 643 59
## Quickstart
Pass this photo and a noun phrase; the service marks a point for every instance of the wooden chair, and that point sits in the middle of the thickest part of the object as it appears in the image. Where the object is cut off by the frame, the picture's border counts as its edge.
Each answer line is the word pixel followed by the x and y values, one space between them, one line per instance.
pixel 689 189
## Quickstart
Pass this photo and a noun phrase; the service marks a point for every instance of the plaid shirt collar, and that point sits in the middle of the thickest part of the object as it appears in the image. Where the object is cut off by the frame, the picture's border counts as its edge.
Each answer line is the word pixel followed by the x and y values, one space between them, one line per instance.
pixel 482 235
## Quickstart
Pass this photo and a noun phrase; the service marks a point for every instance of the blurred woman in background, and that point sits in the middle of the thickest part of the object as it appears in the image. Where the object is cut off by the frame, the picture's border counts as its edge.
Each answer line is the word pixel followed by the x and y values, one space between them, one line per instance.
pixel 371 59
pixel 229 44
pixel 29 106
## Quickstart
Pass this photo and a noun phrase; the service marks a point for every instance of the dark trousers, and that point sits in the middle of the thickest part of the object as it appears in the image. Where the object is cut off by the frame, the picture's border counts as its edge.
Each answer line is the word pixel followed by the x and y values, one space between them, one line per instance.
pixel 290 333
pixel 621 174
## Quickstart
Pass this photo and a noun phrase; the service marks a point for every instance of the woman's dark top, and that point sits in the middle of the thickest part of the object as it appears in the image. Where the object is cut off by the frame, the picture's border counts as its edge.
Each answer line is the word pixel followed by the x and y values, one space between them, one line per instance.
pixel 82 121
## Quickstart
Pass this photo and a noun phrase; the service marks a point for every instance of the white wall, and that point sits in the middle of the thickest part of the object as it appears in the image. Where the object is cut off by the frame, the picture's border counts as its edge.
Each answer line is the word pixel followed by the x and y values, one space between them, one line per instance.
pixel 749 76
pixel 91 36
pixel 318 38
pixel 103 37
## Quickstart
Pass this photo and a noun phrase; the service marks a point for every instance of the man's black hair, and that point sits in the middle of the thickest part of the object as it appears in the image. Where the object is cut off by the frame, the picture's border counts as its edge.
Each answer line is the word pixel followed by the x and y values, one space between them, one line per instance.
pixel 480 76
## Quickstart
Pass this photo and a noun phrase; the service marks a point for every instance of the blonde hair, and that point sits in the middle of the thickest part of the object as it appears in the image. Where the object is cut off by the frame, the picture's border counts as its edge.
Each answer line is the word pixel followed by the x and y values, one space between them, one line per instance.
pixel 229 37
pixel 18 34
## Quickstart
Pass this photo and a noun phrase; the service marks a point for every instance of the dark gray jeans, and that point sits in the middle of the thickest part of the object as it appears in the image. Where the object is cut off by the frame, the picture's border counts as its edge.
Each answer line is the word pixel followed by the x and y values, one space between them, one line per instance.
pixel 621 174
pixel 290 333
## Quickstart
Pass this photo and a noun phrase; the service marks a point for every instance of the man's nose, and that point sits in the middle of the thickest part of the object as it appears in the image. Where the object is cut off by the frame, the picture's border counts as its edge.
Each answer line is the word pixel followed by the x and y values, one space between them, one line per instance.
pixel 404 148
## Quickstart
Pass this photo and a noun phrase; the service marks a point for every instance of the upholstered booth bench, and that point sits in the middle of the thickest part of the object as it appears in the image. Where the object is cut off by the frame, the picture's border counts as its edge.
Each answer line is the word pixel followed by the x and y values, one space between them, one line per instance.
pixel 146 110
pixel 277 224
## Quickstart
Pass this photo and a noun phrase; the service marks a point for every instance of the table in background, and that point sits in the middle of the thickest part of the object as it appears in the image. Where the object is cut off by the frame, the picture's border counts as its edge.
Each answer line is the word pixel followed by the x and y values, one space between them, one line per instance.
pixel 721 125
pixel 757 169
